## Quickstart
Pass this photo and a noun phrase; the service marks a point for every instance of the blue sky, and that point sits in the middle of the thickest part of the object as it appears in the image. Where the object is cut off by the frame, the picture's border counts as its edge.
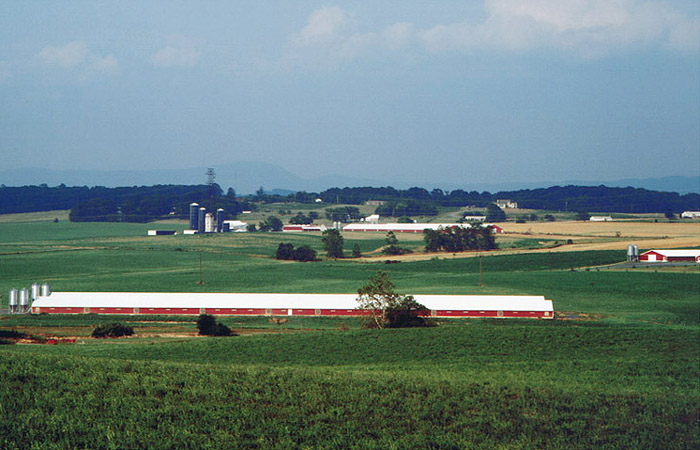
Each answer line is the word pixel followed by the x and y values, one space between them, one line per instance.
pixel 500 90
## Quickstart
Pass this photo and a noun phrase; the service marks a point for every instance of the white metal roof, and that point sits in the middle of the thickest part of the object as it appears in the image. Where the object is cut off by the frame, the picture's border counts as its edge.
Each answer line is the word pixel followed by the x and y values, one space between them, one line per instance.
pixel 676 253
pixel 293 301
pixel 402 226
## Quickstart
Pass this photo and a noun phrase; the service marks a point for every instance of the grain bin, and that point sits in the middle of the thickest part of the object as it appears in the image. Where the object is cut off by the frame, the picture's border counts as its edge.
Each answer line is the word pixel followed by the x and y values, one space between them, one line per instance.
pixel 194 216
pixel 632 253
pixel 209 223
pixel 13 300
pixel 219 220
pixel 23 300
pixel 45 290
pixel 200 219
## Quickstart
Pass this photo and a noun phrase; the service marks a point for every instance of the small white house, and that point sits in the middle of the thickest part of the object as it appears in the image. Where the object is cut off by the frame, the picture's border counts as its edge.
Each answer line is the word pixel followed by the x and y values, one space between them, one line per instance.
pixel 690 215
pixel 506 203
pixel 600 219
pixel 374 218
pixel 236 226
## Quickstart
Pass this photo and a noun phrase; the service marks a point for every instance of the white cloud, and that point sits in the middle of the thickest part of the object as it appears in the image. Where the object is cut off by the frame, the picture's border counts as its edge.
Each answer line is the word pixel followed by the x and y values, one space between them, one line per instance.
pixel 398 35
pixel 588 28
pixel 70 55
pixel 685 36
pixel 77 56
pixel 180 52
pixel 323 25
pixel 107 64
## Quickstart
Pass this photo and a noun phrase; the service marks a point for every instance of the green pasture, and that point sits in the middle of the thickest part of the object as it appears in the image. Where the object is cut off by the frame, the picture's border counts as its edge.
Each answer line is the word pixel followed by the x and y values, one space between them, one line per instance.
pixel 620 372
pixel 481 384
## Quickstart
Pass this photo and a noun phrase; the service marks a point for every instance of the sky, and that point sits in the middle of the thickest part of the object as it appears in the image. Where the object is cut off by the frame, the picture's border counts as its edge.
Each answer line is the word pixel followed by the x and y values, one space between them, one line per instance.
pixel 449 91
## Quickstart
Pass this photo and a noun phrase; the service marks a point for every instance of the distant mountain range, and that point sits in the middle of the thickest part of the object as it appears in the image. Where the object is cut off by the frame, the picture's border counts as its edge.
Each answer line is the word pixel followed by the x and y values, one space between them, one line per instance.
pixel 247 177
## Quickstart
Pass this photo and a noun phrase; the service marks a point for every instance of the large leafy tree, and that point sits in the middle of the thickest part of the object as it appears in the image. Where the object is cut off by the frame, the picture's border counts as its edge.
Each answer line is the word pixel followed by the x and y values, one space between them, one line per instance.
pixel 494 213
pixel 385 308
pixel 333 243
pixel 271 223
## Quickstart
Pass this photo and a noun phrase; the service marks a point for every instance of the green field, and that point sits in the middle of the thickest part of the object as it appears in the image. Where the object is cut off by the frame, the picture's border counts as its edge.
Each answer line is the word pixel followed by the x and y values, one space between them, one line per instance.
pixel 621 371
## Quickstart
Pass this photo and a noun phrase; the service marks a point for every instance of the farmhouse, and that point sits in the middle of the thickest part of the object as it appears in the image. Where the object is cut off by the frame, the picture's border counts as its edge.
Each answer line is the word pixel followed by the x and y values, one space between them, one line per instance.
pixel 690 215
pixel 506 204
pixel 410 227
pixel 600 219
pixel 244 304
pixel 670 256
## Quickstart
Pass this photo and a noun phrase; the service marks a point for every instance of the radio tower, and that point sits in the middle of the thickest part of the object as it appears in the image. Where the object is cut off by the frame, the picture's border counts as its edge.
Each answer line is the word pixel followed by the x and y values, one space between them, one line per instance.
pixel 210 181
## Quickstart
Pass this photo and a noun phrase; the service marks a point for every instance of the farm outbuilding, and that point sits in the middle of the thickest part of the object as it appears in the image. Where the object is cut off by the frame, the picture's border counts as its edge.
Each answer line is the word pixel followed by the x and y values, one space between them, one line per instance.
pixel 670 256
pixel 254 304
pixel 319 228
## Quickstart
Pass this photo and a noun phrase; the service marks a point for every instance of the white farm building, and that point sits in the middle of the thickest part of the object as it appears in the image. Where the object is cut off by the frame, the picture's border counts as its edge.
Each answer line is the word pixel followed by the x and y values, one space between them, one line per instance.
pixel 410 227
pixel 670 256
pixel 280 304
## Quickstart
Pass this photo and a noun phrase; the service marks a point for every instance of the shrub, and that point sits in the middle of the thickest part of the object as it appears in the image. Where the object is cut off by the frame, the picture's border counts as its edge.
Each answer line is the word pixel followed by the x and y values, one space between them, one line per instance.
pixel 208 326
pixel 112 330
pixel 287 252
pixel 304 254
pixel 387 308
pixel 407 313
pixel 12 334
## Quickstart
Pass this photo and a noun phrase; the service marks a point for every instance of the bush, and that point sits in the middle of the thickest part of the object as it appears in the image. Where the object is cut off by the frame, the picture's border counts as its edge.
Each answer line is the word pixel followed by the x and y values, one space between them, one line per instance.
pixel 12 334
pixel 304 254
pixel 407 313
pixel 208 326
pixel 387 308
pixel 287 252
pixel 112 330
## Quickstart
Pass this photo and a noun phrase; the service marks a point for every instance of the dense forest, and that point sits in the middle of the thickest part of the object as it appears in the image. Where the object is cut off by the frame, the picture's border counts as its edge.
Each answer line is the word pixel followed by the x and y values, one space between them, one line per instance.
pixel 127 204
pixel 557 198
pixel 145 203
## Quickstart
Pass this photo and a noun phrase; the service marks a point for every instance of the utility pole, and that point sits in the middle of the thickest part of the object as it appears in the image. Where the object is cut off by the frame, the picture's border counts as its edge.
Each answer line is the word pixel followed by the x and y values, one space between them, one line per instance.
pixel 480 283
pixel 200 268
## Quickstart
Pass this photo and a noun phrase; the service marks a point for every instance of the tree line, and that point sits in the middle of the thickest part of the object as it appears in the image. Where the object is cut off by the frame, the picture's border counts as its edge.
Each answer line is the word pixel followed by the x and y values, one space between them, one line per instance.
pixel 146 202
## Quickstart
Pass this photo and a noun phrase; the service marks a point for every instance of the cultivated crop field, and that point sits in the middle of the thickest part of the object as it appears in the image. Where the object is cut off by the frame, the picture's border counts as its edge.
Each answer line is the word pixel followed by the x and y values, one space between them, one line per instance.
pixel 618 368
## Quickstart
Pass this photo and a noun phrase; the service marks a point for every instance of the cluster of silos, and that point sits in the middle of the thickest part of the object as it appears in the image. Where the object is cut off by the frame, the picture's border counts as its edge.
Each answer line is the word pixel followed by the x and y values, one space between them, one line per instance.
pixel 632 253
pixel 19 299
pixel 204 222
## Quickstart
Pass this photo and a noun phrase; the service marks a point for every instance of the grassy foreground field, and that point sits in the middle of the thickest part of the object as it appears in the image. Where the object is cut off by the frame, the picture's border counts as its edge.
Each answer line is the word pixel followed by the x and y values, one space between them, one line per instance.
pixel 623 373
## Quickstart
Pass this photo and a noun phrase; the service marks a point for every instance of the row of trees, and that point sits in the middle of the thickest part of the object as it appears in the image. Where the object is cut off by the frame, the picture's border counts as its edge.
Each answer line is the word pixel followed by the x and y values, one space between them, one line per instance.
pixel 141 201
pixel 460 239
pixel 146 204
pixel 556 198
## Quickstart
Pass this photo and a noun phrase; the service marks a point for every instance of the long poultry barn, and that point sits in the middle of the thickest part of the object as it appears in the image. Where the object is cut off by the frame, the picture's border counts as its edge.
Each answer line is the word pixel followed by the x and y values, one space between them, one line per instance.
pixel 280 304
pixel 411 227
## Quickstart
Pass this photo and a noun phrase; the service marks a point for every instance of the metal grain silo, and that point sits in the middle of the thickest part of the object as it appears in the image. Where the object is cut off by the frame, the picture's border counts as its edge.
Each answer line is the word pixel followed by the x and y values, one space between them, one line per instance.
pixel 45 290
pixel 200 219
pixel 13 300
pixel 219 220
pixel 194 216
pixel 632 253
pixel 35 291
pixel 23 300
